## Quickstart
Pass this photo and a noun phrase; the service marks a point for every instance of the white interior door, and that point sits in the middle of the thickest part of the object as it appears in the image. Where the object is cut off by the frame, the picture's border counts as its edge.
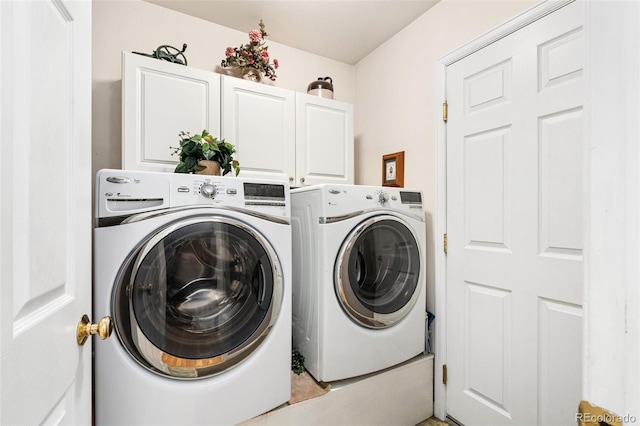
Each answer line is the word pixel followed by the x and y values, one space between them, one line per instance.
pixel 514 225
pixel 45 211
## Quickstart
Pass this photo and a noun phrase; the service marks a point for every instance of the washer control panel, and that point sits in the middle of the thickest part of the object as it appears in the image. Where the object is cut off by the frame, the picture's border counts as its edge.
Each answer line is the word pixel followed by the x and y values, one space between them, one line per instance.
pixel 122 192
pixel 208 190
pixel 216 190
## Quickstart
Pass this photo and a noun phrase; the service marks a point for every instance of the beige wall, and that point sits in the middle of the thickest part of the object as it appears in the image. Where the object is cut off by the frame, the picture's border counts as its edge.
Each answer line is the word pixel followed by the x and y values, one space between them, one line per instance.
pixel 135 25
pixel 395 106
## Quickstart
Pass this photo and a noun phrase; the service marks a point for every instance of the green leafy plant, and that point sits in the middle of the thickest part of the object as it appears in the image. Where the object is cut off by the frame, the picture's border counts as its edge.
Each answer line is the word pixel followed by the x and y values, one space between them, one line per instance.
pixel 204 147
pixel 297 362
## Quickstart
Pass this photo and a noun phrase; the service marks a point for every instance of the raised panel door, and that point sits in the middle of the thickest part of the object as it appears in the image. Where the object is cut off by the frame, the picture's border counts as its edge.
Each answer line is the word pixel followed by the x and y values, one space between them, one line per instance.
pixel 514 226
pixel 259 120
pixel 45 212
pixel 324 141
pixel 160 99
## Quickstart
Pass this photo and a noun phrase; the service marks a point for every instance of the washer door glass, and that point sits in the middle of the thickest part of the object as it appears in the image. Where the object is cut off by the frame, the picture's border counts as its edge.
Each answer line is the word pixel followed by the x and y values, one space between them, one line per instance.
pixel 377 272
pixel 197 297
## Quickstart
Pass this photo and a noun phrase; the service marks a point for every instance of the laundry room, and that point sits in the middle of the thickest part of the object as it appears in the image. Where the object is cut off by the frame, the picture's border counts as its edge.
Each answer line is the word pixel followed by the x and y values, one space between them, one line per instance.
pixel 388 74
pixel 319 212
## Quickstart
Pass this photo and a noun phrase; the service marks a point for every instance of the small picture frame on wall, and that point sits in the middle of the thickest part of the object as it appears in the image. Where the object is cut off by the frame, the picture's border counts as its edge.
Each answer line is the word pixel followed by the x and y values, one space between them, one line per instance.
pixel 393 169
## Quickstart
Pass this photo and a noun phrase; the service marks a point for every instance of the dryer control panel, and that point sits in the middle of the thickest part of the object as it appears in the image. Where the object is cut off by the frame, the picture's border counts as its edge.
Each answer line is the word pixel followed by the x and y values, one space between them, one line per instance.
pixel 346 199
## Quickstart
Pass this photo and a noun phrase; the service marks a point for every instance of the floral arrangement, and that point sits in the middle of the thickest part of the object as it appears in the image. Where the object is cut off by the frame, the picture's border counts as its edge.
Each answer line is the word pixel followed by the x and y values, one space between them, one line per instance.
pixel 198 147
pixel 252 55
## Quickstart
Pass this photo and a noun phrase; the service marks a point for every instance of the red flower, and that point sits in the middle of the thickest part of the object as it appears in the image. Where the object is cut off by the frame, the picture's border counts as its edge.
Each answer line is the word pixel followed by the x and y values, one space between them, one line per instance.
pixel 275 64
pixel 229 51
pixel 255 35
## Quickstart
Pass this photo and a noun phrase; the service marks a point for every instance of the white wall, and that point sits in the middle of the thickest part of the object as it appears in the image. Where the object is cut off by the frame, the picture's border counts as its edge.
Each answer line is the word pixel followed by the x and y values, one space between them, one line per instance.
pixel 395 106
pixel 611 365
pixel 135 25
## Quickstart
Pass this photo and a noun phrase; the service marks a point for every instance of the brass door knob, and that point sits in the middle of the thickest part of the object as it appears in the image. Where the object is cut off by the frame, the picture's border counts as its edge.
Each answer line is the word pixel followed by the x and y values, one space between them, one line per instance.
pixel 85 329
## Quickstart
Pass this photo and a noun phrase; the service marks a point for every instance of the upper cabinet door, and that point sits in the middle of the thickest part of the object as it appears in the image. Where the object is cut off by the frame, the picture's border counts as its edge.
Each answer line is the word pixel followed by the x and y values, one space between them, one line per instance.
pixel 324 136
pixel 159 100
pixel 259 120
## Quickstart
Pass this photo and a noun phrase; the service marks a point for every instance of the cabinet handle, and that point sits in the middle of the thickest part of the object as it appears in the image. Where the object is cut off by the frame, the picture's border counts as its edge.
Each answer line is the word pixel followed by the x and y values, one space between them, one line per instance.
pixel 290 178
pixel 301 180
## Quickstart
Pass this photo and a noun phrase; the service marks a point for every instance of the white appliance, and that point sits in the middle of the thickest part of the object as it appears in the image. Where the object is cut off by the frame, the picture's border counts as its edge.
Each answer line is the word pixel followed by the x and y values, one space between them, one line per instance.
pixel 358 278
pixel 195 272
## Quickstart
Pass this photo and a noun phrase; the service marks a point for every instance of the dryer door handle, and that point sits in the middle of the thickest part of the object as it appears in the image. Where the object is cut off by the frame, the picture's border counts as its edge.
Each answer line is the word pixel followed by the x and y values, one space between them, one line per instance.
pixel 263 282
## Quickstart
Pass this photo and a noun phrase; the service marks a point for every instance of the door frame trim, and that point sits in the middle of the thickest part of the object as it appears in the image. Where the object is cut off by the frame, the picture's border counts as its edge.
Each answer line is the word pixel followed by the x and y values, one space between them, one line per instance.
pixel 529 16
pixel 612 202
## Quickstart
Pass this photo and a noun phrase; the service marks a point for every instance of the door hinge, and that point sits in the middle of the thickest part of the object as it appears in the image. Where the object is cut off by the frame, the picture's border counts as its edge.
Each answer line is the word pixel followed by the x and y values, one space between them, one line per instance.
pixel 445 111
pixel 445 242
pixel 444 374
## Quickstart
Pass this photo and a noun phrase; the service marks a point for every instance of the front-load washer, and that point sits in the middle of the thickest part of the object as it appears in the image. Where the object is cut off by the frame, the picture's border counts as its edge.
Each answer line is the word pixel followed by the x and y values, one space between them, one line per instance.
pixel 358 278
pixel 195 272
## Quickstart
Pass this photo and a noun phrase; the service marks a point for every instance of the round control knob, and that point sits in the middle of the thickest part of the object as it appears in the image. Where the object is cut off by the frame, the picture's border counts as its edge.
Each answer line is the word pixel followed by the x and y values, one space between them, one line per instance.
pixel 208 190
pixel 383 197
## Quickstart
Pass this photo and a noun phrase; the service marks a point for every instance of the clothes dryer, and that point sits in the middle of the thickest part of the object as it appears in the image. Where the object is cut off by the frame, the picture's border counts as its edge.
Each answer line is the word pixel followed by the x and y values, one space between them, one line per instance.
pixel 358 278
pixel 195 272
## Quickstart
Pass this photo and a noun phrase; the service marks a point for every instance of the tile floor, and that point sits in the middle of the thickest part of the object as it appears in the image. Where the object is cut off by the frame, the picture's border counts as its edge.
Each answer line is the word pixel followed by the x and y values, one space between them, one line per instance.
pixel 432 421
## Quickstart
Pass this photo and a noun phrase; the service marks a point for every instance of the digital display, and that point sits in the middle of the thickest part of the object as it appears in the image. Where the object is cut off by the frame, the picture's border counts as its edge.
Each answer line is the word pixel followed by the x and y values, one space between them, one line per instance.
pixel 259 191
pixel 410 197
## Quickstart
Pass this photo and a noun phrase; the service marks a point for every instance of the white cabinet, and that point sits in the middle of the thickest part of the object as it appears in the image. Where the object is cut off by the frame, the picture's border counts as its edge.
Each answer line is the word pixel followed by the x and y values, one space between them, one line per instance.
pixel 280 134
pixel 159 100
pixel 259 120
pixel 324 141
pixel 277 133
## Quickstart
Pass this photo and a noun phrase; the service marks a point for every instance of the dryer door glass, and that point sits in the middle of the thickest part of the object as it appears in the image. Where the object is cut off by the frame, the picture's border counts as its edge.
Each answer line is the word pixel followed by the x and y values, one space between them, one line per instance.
pixel 197 297
pixel 377 272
